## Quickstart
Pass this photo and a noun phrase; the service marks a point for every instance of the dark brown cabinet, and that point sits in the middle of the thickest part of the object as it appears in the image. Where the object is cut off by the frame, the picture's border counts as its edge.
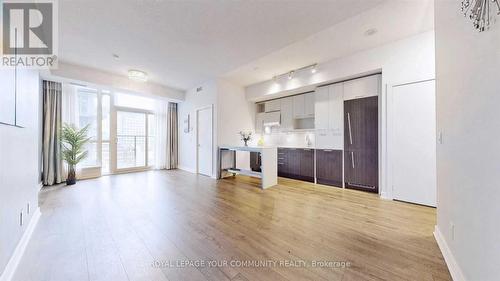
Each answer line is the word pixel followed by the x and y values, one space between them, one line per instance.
pixel 361 144
pixel 296 163
pixel 329 167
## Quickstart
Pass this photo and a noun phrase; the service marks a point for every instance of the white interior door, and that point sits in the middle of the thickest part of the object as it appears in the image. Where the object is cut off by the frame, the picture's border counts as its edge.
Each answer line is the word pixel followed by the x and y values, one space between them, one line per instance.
pixel 204 140
pixel 413 144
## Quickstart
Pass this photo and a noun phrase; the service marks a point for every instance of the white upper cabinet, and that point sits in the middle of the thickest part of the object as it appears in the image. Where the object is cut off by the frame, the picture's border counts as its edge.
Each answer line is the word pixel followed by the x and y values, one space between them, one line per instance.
pixel 298 106
pixel 362 87
pixel 329 117
pixel 336 108
pixel 309 104
pixel 286 108
pixel 303 105
pixel 321 105
pixel 259 122
pixel 273 105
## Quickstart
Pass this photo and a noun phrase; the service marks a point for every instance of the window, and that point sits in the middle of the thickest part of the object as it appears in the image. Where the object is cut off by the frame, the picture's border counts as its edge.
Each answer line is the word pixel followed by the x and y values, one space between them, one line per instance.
pixel 131 140
pixel 122 129
pixel 87 115
pixel 151 139
pixel 133 101
pixel 106 134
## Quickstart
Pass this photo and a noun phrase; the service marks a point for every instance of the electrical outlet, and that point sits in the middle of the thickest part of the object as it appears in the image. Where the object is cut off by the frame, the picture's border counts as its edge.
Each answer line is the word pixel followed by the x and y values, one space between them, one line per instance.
pixel 452 231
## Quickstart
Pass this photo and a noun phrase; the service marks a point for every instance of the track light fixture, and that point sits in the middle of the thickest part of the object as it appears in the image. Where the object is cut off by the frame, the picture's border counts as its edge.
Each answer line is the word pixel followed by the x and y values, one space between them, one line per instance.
pixel 313 68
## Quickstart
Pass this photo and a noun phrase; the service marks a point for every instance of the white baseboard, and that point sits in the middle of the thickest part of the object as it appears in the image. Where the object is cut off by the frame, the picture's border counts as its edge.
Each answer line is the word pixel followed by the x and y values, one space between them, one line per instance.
pixel 455 271
pixel 186 169
pixel 11 267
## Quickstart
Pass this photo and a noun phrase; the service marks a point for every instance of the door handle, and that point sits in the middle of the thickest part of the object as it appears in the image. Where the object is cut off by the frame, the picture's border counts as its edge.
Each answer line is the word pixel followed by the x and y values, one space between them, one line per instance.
pixel 352 159
pixel 349 125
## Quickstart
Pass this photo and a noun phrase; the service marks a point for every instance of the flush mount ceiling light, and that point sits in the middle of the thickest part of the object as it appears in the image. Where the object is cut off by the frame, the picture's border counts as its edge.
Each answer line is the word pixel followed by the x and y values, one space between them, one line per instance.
pixel 478 12
pixel 137 75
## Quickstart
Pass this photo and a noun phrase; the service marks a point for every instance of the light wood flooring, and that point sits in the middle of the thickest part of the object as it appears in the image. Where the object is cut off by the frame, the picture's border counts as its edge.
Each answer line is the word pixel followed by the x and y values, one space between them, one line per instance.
pixel 141 226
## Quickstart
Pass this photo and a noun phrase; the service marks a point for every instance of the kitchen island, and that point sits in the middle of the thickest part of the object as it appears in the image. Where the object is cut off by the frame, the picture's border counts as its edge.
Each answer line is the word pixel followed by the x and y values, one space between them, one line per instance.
pixel 269 163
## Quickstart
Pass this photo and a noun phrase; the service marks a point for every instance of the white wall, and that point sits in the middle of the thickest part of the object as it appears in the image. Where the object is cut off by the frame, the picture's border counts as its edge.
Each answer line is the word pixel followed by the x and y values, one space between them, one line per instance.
pixel 468 160
pixel 99 77
pixel 187 141
pixel 232 114
pixel 19 171
pixel 235 114
pixel 408 60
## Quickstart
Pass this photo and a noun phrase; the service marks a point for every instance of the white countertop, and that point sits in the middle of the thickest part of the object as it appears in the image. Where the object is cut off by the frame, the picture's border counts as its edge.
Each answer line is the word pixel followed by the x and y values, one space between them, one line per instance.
pixel 247 148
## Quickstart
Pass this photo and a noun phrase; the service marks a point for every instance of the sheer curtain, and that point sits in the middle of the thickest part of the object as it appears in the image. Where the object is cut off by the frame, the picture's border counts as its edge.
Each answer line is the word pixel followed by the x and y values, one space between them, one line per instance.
pixel 161 135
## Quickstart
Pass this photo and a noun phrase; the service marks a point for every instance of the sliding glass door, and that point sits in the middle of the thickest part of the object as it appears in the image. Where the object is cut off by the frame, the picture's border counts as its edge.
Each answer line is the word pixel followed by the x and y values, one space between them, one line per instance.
pixel 134 139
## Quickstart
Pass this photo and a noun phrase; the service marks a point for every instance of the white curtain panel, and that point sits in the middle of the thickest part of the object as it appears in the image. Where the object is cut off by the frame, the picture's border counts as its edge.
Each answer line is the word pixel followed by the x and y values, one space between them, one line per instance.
pixel 161 135
pixel 52 167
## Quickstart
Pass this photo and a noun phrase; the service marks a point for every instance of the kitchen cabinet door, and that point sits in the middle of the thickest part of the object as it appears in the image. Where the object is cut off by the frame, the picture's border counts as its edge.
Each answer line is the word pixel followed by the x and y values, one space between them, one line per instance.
pixel 286 109
pixel 309 104
pixel 293 158
pixel 298 106
pixel 362 87
pixel 282 162
pixel 306 165
pixel 361 144
pixel 273 105
pixel 329 167
pixel 322 108
pixel 336 108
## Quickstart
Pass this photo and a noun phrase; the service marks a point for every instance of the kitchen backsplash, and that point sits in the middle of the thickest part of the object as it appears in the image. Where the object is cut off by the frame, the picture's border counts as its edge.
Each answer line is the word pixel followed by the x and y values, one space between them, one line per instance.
pixel 290 139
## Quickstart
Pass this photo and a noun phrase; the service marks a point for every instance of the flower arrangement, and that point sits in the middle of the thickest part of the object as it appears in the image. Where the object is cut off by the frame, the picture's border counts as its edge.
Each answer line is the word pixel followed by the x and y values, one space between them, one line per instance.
pixel 245 137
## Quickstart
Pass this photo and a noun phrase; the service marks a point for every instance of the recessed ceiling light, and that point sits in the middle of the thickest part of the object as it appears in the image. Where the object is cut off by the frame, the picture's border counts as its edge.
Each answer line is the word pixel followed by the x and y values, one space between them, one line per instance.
pixel 314 69
pixel 371 31
pixel 137 75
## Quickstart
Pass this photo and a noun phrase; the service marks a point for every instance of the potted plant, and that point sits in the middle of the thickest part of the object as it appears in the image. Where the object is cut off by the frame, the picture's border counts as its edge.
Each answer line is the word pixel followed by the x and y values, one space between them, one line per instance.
pixel 245 137
pixel 73 141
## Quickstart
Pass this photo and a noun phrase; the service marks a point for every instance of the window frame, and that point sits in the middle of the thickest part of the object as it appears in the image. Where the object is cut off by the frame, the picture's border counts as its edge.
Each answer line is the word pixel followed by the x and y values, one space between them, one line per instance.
pixel 114 131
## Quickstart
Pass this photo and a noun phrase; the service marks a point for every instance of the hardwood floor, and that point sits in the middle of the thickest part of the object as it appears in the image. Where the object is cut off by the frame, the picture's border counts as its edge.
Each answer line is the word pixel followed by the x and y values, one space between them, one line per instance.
pixel 129 227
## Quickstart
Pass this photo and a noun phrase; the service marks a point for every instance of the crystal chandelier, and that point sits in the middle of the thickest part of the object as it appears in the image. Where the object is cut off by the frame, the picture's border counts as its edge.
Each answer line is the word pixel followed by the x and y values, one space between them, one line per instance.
pixel 478 12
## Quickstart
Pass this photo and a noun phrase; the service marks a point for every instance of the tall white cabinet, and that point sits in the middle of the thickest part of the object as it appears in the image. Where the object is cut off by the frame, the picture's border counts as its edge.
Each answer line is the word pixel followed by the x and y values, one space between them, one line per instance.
pixel 329 117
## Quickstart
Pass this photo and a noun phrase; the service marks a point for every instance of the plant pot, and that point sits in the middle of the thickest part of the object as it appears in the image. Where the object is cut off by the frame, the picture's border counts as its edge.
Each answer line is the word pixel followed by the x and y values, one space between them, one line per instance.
pixel 71 179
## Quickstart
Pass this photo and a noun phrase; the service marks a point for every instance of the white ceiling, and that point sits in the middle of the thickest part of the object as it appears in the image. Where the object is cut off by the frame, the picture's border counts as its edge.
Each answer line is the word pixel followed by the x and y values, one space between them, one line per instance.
pixel 183 43
pixel 394 20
